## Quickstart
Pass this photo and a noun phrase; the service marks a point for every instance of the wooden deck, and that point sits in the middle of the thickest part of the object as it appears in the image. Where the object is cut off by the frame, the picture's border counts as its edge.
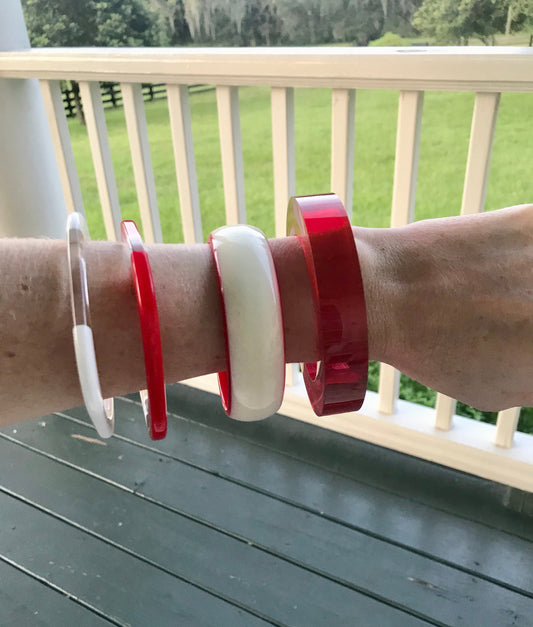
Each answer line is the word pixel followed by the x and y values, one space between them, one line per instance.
pixel 232 524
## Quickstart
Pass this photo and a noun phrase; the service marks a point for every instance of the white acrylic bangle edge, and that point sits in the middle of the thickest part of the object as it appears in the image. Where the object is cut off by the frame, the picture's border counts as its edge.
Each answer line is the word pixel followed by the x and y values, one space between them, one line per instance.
pixel 264 378
pixel 101 411
pixel 103 421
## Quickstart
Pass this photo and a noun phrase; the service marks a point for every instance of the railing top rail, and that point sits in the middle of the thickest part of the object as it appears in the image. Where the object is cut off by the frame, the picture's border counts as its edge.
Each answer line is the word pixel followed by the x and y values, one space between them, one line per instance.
pixel 492 69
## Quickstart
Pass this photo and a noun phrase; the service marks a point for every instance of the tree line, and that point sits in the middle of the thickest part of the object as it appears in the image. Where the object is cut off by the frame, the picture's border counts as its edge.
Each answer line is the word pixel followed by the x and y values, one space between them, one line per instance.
pixel 456 22
pixel 268 22
pixel 214 22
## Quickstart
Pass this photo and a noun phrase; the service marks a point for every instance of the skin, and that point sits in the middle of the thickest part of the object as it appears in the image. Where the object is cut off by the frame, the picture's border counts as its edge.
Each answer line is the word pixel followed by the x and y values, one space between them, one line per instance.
pixel 449 303
pixel 462 293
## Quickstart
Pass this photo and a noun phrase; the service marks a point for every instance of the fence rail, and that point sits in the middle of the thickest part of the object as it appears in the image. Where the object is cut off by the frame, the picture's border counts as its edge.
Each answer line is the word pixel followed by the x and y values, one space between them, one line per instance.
pixel 112 94
pixel 495 452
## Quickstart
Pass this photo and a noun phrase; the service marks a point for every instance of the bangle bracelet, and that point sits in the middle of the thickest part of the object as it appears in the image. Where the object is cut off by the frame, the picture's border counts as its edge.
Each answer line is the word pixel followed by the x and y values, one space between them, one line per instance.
pixel 153 399
pixel 101 411
pixel 337 382
pixel 251 387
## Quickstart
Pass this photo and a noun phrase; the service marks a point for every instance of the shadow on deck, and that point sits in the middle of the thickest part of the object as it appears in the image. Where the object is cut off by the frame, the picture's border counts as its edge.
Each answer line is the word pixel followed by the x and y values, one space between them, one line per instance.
pixel 231 524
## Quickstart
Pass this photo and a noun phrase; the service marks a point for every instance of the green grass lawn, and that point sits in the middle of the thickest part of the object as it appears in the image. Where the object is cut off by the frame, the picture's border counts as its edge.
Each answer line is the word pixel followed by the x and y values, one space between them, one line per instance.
pixel 443 151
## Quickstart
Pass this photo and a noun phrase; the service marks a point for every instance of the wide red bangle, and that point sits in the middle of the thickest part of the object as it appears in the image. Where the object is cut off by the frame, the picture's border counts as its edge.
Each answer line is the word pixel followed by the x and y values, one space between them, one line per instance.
pixel 153 399
pixel 337 382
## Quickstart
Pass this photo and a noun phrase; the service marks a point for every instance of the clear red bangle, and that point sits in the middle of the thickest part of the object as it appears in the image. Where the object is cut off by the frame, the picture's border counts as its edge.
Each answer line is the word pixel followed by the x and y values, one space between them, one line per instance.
pixel 153 399
pixel 337 382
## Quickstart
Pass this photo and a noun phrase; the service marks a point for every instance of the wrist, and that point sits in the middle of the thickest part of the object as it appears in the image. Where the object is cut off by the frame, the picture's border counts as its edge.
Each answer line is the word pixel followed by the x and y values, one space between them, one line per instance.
pixel 375 248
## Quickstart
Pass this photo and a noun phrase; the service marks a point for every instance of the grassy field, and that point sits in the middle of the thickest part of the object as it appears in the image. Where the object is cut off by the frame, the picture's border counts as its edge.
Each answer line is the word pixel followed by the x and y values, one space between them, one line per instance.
pixel 443 151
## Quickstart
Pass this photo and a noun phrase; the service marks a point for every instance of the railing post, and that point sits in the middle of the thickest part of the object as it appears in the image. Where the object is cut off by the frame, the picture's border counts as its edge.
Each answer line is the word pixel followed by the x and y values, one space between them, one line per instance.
pixel 31 197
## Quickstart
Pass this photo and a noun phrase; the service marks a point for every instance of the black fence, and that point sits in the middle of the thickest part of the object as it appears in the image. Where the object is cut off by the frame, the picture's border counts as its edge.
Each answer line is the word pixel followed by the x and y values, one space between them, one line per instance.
pixel 112 94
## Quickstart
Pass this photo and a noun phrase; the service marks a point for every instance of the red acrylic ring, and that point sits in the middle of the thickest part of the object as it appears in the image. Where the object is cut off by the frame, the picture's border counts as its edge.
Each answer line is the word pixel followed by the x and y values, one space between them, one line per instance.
pixel 224 376
pixel 337 382
pixel 155 409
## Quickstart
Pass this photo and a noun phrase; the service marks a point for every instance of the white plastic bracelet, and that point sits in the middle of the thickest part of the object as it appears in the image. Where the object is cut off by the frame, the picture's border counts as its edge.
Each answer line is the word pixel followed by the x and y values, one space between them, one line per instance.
pixel 101 411
pixel 252 387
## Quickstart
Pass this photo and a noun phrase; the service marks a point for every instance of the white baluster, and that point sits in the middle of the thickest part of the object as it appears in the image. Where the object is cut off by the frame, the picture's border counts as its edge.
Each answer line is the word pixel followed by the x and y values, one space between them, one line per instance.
pixel 231 151
pixel 282 104
pixel 181 129
pixel 133 101
pixel 474 191
pixel 506 427
pixel 342 145
pixel 403 207
pixel 101 154
pixel 57 120
pixel 480 152
pixel 444 410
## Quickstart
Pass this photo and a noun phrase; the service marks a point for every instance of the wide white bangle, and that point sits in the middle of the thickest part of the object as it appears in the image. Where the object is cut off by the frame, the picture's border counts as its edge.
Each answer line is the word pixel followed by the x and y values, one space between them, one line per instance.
pixel 252 386
pixel 101 411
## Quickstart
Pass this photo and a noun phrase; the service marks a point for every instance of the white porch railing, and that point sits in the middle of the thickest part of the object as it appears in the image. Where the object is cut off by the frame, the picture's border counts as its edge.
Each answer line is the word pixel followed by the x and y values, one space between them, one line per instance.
pixel 497 453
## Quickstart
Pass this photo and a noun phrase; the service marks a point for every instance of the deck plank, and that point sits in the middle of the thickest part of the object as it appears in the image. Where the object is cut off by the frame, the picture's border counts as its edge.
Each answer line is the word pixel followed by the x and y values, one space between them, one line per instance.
pixel 479 549
pixel 125 588
pixel 444 489
pixel 26 601
pixel 443 594
pixel 236 570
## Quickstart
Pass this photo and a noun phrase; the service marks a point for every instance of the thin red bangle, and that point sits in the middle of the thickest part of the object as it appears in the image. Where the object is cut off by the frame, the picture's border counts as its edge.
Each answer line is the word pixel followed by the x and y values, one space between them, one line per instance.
pixel 154 397
pixel 337 382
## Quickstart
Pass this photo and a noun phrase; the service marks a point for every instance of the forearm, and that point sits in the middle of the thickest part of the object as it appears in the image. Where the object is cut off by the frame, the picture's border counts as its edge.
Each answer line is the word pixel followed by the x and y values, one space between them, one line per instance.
pixel 37 364
pixel 37 359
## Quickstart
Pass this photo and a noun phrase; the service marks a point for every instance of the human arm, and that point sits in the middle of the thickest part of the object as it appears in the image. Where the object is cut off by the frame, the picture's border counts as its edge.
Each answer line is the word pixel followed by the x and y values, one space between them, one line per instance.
pixel 37 364
pixel 449 302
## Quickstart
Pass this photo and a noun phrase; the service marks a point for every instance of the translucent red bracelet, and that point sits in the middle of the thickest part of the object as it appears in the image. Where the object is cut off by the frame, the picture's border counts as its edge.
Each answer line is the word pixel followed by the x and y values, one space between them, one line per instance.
pixel 337 382
pixel 153 399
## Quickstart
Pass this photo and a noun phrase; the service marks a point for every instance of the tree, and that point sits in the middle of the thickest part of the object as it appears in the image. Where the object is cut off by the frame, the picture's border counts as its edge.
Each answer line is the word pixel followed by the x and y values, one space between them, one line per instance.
pixel 398 15
pixel 273 25
pixel 58 22
pixel 215 20
pixel 365 22
pixel 173 28
pixel 88 23
pixel 520 17
pixel 457 21
pixel 324 21
pixel 234 22
pixel 261 24
pixel 306 21
pixel 224 30
pixel 123 23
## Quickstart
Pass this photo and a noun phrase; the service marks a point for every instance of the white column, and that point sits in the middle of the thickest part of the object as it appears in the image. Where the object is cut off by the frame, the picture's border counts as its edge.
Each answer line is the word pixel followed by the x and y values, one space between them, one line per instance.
pixel 31 198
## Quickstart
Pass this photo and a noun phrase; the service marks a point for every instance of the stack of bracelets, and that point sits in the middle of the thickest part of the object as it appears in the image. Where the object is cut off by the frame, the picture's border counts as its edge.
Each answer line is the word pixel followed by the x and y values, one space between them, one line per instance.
pixel 252 385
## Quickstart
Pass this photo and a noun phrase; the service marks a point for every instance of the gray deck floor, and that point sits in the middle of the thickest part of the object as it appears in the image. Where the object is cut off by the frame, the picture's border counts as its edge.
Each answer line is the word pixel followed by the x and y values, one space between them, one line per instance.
pixel 247 524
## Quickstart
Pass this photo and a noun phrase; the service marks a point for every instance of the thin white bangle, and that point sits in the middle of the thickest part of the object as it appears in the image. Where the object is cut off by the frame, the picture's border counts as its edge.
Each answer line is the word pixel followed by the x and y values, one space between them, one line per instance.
pixel 252 387
pixel 101 411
